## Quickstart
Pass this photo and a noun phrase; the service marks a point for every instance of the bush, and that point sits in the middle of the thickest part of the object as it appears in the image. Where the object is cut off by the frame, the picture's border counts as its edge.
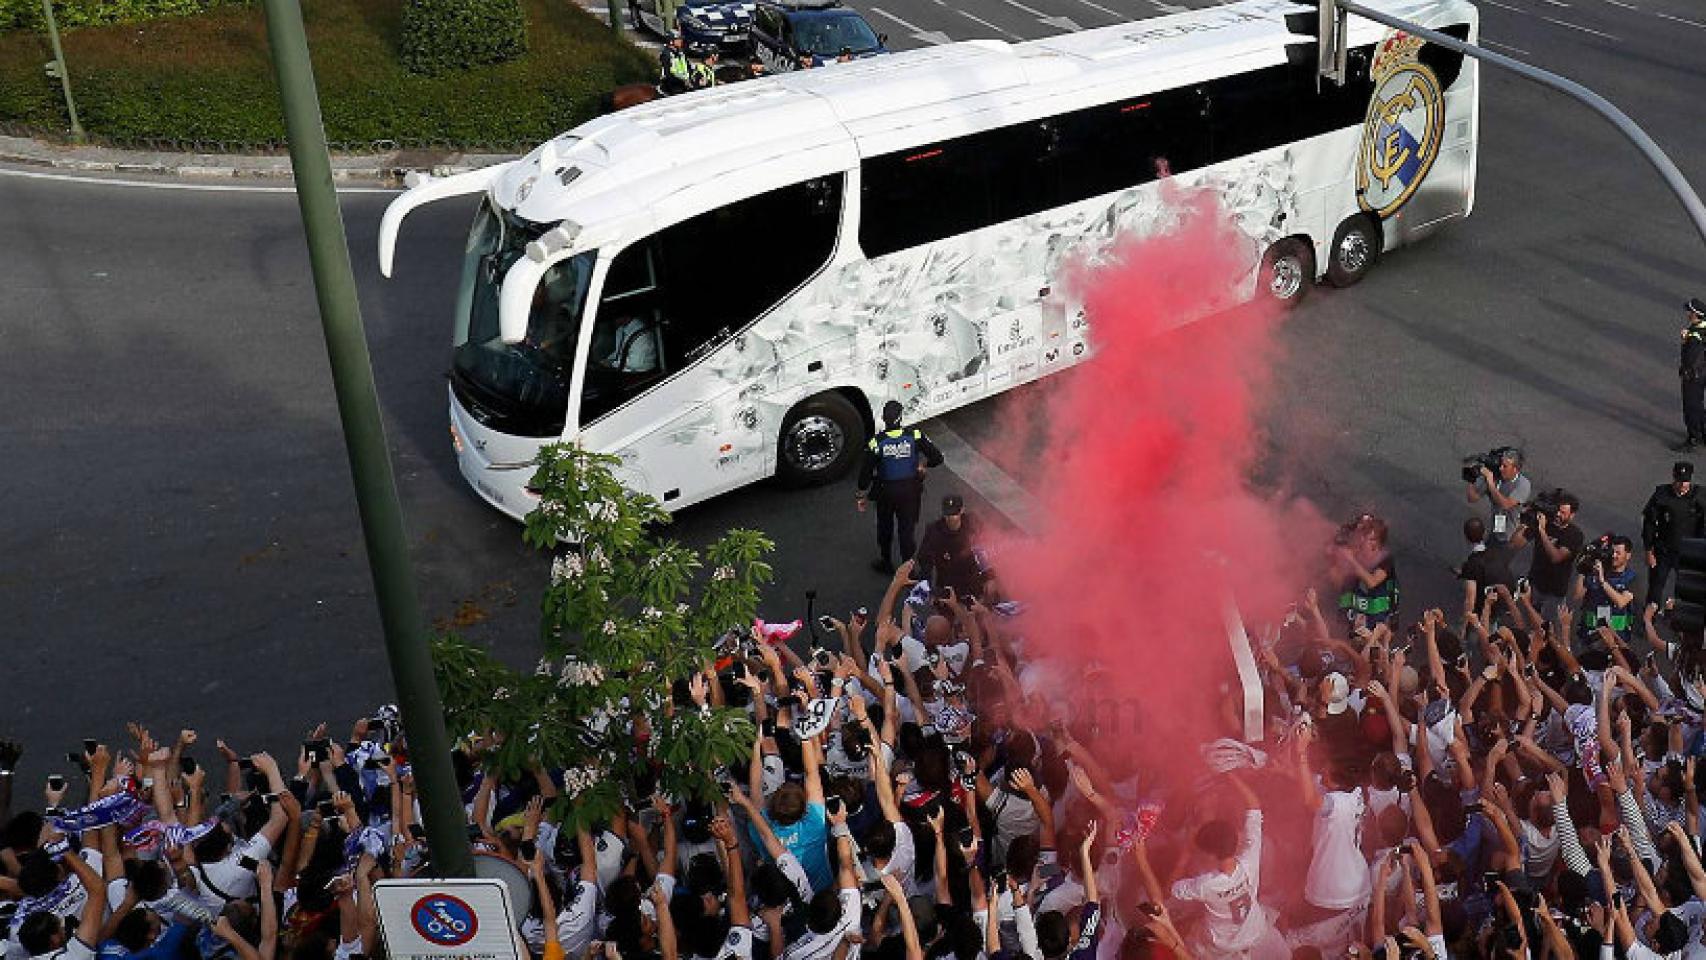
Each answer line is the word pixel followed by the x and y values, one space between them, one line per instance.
pixel 444 35
pixel 69 14
pixel 209 79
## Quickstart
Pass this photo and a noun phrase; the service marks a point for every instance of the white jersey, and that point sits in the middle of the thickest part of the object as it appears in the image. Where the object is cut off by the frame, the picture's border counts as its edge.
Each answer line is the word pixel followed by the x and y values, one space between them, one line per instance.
pixel 1338 871
pixel 1234 921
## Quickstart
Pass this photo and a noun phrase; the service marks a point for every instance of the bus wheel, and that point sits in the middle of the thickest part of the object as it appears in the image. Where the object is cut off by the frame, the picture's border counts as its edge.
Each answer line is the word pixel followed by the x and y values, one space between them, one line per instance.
pixel 1356 247
pixel 1287 271
pixel 820 440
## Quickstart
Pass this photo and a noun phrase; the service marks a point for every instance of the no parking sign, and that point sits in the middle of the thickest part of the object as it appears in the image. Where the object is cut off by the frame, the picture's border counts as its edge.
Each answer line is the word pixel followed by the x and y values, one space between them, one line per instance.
pixel 441 919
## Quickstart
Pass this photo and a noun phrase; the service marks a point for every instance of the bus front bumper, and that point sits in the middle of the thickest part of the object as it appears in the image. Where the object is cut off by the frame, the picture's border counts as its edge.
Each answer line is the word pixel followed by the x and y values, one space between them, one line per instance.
pixel 498 467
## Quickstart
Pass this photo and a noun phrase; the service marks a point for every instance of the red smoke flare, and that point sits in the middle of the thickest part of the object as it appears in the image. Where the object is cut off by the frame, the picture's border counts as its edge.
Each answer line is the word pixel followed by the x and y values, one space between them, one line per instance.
pixel 1150 523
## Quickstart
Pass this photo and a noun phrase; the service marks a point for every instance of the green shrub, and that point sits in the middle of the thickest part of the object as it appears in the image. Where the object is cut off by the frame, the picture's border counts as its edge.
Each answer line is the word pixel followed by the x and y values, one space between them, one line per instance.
pixel 69 14
pixel 209 79
pixel 440 36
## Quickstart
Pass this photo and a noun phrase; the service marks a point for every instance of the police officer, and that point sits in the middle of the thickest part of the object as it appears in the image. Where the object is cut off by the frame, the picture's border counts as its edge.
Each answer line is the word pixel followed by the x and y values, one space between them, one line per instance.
pixel 1692 371
pixel 893 473
pixel 1674 511
pixel 704 73
pixel 674 72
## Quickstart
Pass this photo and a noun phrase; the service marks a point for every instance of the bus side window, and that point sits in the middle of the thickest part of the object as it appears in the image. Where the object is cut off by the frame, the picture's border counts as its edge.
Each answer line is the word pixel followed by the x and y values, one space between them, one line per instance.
pixel 676 296
pixel 923 194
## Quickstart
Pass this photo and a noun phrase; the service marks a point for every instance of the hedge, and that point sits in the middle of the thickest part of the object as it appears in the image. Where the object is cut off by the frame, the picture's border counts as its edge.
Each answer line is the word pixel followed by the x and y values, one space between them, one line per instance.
pixel 444 35
pixel 209 79
pixel 26 14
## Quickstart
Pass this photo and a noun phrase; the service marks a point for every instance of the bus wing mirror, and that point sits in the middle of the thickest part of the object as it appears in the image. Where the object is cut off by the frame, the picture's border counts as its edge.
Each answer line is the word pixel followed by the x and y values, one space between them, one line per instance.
pixel 424 189
pixel 515 299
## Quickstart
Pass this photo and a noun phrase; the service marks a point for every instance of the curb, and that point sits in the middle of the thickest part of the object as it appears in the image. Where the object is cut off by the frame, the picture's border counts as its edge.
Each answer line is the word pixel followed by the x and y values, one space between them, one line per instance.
pixel 385 168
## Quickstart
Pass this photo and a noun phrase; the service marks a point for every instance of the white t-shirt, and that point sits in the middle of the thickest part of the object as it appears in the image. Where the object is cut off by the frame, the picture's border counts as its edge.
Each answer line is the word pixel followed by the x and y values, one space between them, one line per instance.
pixel 1234 921
pixel 821 946
pixel 905 855
pixel 234 876
pixel 1338 872
pixel 74 949
pixel 1539 849
pixel 578 921
pixel 737 945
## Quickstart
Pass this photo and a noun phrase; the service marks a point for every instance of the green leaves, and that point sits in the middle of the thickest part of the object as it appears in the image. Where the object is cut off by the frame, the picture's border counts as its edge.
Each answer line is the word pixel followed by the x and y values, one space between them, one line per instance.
pixel 440 36
pixel 625 614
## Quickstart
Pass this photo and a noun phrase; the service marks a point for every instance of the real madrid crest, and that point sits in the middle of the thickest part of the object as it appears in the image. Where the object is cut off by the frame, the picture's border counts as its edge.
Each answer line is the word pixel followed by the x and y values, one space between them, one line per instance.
pixel 1402 132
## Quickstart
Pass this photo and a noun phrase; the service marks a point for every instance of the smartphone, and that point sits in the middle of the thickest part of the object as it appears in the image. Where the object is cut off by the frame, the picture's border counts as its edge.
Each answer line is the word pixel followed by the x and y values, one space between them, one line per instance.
pixel 1149 909
pixel 77 759
pixel 740 670
pixel 895 653
pixel 187 765
pixel 90 745
pixel 1490 881
pixel 244 763
pixel 769 727
pixel 862 613
pixel 326 809
pixel 417 831
pixel 270 798
pixel 833 804
pixel 966 837
pixel 827 623
pixel 55 781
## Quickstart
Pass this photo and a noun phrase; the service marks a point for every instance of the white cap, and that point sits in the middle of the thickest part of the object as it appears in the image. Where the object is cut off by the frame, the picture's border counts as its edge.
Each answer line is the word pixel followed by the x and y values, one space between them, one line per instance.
pixel 1338 693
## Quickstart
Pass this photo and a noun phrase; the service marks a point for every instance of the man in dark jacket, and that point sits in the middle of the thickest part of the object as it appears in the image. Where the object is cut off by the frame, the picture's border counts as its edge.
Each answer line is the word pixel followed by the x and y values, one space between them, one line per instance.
pixel 1674 511
pixel 1691 369
pixel 947 555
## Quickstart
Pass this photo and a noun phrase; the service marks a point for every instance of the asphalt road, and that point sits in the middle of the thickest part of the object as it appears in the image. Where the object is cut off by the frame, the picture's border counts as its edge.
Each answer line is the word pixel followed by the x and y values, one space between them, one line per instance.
pixel 181 541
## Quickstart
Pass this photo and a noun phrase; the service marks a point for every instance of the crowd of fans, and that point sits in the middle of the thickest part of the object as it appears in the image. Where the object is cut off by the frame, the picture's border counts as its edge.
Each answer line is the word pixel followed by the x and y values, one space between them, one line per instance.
pixel 1516 781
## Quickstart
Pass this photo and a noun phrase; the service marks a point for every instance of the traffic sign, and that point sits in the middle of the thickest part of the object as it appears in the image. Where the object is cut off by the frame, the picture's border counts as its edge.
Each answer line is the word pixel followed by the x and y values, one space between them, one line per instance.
pixel 443 919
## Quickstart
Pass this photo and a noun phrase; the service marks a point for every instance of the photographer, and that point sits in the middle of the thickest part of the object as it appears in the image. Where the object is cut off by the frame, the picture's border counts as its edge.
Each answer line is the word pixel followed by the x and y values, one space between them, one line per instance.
pixel 1486 566
pixel 1550 523
pixel 1606 594
pixel 1673 511
pixel 1509 489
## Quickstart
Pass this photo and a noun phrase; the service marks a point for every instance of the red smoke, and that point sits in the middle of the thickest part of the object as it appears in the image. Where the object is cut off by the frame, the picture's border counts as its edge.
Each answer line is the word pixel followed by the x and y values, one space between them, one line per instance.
pixel 1149 522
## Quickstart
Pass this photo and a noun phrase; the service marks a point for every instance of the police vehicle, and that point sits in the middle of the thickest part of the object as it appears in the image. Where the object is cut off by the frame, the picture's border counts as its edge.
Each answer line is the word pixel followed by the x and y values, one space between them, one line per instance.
pixel 729 284
pixel 706 26
pixel 784 30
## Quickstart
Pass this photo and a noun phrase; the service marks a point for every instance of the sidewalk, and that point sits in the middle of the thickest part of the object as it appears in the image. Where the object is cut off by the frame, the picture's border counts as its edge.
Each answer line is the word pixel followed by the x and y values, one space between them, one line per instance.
pixel 388 168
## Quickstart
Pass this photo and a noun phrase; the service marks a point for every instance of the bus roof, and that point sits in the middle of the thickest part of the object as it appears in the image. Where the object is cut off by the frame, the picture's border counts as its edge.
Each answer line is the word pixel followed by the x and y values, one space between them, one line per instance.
pixel 646 159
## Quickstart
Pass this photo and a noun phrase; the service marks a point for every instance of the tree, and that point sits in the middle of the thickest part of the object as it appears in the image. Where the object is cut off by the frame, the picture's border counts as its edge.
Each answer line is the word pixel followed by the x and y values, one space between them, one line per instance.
pixel 625 615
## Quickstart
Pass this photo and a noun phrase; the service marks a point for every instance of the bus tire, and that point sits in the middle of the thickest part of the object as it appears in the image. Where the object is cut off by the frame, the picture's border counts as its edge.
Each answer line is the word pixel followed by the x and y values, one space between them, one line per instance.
pixel 1355 250
pixel 821 440
pixel 1288 271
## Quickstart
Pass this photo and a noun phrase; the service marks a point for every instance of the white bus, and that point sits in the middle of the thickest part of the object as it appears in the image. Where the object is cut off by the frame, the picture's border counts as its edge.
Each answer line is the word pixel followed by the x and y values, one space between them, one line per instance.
pixel 723 286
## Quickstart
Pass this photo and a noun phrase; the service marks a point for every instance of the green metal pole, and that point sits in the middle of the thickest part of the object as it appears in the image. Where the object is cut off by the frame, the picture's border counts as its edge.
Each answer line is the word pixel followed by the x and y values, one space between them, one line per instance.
pixel 61 69
pixel 364 441
pixel 615 8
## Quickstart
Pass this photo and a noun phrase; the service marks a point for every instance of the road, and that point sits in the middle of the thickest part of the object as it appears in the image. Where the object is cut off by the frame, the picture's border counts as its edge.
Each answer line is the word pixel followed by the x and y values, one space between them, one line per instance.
pixel 181 540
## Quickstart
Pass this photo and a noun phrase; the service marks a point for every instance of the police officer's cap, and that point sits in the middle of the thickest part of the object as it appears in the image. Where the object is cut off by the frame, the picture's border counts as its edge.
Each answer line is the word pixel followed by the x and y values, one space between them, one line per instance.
pixel 1682 470
pixel 1696 306
pixel 952 504
pixel 892 411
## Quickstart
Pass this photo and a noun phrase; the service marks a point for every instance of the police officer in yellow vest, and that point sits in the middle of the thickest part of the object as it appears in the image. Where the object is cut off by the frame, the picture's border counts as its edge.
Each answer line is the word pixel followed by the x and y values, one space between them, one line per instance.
pixel 674 72
pixel 704 73
pixel 892 473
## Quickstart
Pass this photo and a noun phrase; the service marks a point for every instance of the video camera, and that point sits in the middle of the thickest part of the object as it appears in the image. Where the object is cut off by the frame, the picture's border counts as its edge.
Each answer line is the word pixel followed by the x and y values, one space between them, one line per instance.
pixel 1597 550
pixel 1472 465
pixel 1545 502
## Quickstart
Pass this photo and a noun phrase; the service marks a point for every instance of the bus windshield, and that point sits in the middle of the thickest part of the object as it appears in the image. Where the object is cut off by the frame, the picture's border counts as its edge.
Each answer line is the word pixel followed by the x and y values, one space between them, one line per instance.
pixel 518 388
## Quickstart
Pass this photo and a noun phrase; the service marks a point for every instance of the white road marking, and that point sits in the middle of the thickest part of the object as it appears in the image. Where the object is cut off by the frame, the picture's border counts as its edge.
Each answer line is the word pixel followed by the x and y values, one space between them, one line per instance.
pixel 918 33
pixel 980 474
pixel 171 185
pixel 1165 7
pixel 1503 6
pixel 1096 6
pixel 1555 3
pixel 1692 23
pixel 977 19
pixel 1577 26
pixel 1504 46
pixel 1620 3
pixel 1033 11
